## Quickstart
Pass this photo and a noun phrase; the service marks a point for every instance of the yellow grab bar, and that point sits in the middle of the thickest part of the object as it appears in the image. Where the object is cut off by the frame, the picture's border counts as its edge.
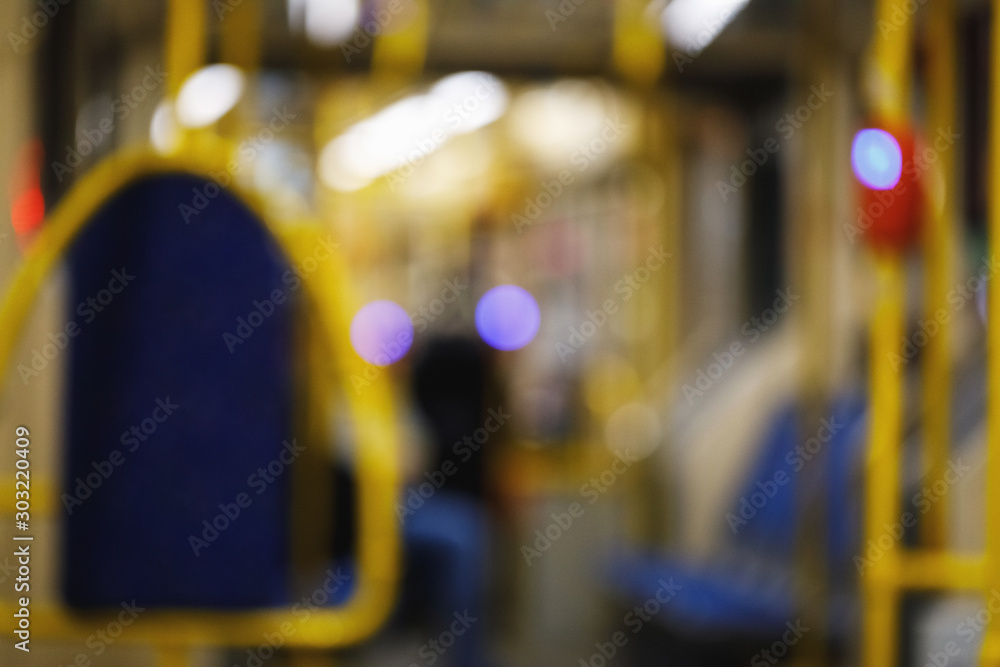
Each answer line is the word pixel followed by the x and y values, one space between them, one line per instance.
pixel 991 645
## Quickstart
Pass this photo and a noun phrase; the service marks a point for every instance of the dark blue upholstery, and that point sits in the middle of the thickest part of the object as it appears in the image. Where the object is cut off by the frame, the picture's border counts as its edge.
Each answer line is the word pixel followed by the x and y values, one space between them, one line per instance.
pixel 712 598
pixel 750 590
pixel 844 496
pixel 160 338
pixel 771 529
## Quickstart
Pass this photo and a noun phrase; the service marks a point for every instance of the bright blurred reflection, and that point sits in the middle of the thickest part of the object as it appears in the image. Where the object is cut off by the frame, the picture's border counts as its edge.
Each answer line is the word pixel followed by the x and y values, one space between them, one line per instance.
pixel 407 132
pixel 553 122
pixel 330 22
pixel 507 317
pixel 452 175
pixel 693 24
pixel 208 94
pixel 163 130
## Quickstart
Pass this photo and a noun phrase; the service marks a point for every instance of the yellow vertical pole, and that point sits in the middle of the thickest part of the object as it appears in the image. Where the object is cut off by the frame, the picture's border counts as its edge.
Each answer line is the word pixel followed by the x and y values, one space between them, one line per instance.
pixel 882 483
pixel 239 36
pixel 671 232
pixel 939 249
pixel 184 41
pixel 639 54
pixel 991 645
pixel 398 58
pixel 890 77
pixel 401 54
pixel 637 49
pixel 184 51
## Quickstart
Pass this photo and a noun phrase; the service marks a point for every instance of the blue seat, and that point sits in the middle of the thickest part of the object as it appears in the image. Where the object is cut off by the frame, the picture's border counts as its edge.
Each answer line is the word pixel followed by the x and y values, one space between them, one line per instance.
pixel 749 591
pixel 710 599
pixel 159 342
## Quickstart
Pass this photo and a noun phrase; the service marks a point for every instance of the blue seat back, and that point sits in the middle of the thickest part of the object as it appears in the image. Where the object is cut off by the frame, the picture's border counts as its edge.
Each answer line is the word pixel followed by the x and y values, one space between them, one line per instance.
pixel 784 456
pixel 763 516
pixel 187 419
pixel 845 487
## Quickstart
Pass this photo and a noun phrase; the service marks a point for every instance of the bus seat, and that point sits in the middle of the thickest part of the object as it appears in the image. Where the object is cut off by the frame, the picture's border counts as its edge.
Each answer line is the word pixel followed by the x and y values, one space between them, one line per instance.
pixel 749 591
pixel 158 346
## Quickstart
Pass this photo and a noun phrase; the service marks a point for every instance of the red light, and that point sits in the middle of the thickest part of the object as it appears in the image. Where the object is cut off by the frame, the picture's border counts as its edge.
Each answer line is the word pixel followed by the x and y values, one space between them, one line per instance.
pixel 890 218
pixel 27 212
pixel 27 206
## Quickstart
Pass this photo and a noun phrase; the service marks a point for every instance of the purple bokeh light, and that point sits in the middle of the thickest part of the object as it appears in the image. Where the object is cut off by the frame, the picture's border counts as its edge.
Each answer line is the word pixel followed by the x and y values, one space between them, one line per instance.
pixel 381 332
pixel 507 317
pixel 877 159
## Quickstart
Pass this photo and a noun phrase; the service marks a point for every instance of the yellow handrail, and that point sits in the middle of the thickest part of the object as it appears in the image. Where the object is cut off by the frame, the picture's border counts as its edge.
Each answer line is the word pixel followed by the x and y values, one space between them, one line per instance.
pixel 890 71
pixel 239 35
pixel 184 41
pixel 637 48
pixel 933 566
pixel 882 487
pixel 400 53
pixel 991 645
pixel 889 75
pixel 939 248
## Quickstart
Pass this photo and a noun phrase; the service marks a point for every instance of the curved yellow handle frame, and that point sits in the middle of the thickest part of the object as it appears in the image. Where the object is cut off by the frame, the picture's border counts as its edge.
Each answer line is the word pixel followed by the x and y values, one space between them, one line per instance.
pixel 376 460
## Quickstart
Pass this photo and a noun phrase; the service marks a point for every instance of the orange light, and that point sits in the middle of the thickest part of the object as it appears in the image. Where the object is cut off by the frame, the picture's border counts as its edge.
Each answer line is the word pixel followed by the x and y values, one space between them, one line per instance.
pixel 27 206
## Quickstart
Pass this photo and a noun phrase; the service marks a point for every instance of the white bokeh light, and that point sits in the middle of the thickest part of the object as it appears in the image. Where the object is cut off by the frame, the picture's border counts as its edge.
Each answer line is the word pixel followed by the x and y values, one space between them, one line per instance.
pixel 330 22
pixel 208 94
pixel 410 130
pixel 163 130
pixel 693 24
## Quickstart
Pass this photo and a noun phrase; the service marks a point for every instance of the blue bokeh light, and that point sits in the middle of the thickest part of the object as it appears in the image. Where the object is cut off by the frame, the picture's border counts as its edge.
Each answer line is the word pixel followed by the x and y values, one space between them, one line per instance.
pixel 507 317
pixel 877 159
